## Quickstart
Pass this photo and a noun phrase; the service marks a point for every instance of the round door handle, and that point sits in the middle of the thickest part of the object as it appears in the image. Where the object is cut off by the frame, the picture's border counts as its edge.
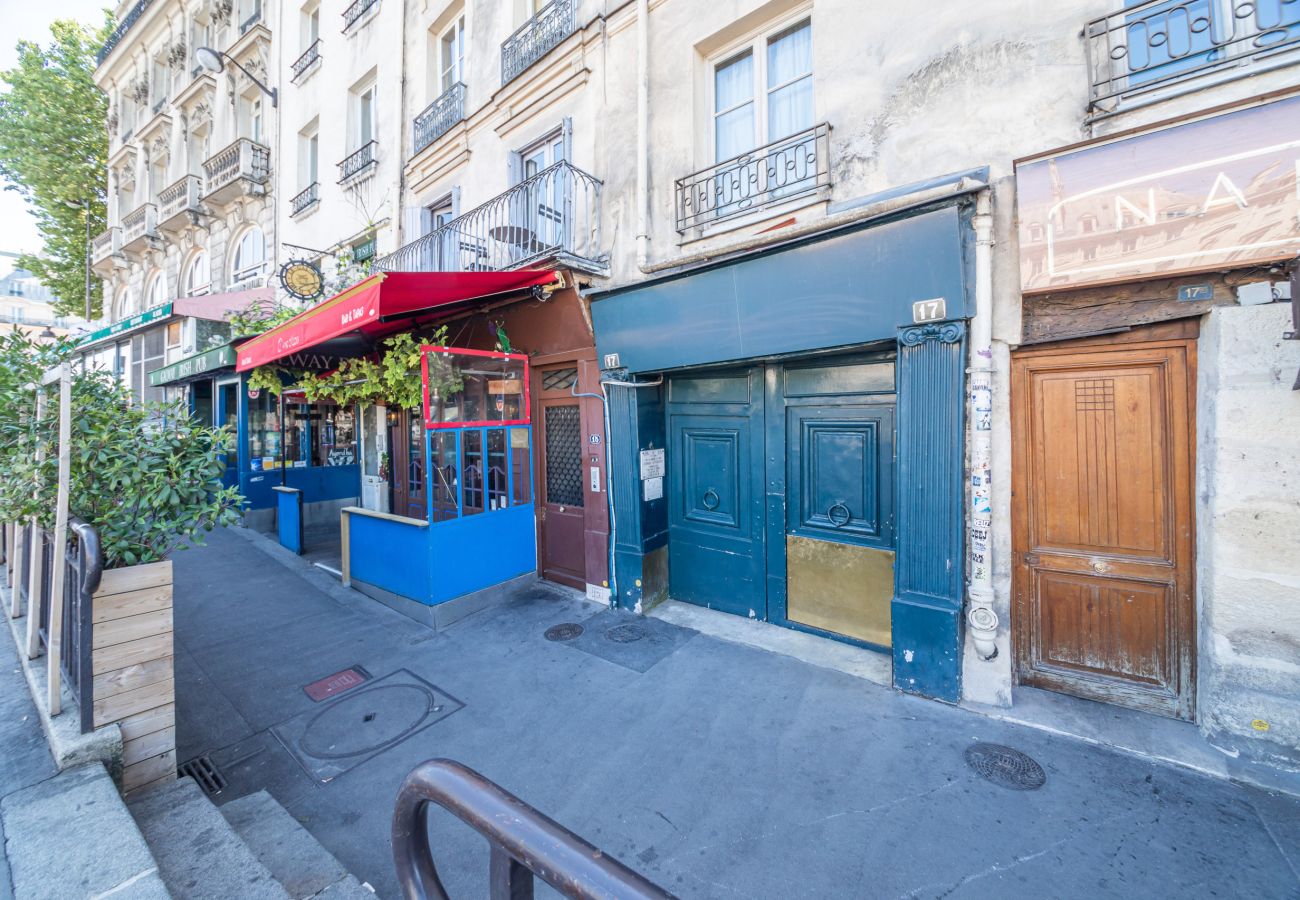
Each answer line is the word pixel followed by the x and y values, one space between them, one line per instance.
pixel 839 523
pixel 716 499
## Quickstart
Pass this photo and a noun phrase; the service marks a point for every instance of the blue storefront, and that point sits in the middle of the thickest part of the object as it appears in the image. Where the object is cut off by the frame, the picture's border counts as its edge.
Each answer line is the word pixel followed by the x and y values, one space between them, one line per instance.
pixel 787 438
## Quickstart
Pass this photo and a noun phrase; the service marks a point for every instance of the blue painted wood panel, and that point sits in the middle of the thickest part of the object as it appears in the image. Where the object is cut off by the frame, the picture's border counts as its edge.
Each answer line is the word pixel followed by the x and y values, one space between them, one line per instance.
pixel 392 555
pixel 478 551
pixel 841 473
pixel 715 490
pixel 288 518
pixel 855 288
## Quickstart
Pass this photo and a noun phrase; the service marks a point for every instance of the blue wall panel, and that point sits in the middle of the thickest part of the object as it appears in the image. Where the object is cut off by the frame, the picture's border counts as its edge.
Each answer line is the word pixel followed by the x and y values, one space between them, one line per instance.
pixel 855 288
pixel 391 555
pixel 478 551
pixel 315 482
pixel 288 518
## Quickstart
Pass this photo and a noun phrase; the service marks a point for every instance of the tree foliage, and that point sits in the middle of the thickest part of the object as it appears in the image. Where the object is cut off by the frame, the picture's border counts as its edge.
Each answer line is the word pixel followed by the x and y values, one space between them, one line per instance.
pixel 54 150
pixel 146 476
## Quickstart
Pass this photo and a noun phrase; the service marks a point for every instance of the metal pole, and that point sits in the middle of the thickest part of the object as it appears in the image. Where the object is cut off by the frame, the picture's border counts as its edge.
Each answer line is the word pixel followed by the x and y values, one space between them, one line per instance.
pixel 87 261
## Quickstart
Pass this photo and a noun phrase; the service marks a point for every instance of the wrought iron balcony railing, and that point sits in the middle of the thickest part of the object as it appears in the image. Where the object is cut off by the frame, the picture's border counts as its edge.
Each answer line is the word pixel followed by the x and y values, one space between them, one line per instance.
pixel 439 116
pixel 1164 43
pixel 537 37
pixel 553 215
pixel 243 159
pixel 355 11
pixel 359 162
pixel 309 56
pixel 304 199
pixel 120 31
pixel 792 167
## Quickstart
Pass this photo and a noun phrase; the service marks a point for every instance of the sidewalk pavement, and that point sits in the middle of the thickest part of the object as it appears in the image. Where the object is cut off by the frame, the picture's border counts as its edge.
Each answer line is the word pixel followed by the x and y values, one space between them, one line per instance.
pixel 716 769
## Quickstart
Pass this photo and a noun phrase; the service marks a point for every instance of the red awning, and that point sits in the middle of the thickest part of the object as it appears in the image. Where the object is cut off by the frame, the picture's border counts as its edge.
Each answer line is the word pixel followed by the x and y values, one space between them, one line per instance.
pixel 369 309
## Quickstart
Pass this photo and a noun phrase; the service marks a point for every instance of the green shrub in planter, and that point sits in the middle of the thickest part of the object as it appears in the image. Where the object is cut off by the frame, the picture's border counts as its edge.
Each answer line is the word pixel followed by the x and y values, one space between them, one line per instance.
pixel 146 476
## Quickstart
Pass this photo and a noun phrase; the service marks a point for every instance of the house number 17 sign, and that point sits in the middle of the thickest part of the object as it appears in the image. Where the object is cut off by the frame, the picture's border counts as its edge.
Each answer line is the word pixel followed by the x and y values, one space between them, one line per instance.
pixel 929 310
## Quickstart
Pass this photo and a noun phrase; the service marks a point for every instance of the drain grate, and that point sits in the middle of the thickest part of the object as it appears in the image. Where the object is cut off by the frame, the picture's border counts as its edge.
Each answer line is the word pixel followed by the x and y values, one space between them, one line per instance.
pixel 565 631
pixel 1005 766
pixel 205 774
pixel 625 634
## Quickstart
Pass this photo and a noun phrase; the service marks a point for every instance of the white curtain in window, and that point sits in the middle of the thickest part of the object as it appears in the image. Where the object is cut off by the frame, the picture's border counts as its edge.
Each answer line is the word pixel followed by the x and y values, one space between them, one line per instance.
pixel 789 82
pixel 733 104
pixel 197 278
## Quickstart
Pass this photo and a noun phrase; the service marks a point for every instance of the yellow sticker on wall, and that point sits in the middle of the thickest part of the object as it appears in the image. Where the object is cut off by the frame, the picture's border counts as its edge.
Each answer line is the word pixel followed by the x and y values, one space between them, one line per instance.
pixel 1259 725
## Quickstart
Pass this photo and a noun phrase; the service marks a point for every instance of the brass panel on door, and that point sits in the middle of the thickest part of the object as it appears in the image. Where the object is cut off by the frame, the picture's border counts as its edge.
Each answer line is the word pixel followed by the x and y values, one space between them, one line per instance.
pixel 842 588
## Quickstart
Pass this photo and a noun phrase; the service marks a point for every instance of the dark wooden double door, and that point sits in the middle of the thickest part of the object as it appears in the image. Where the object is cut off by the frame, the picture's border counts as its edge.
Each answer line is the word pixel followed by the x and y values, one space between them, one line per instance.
pixel 1102 518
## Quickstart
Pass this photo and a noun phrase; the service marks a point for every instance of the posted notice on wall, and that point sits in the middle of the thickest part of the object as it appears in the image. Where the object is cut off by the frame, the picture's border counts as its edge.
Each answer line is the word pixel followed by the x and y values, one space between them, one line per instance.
pixel 652 488
pixel 652 464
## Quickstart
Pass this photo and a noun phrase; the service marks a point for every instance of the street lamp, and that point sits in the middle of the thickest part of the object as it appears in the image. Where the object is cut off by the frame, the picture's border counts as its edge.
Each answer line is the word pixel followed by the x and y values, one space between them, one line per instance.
pixel 214 61
pixel 84 205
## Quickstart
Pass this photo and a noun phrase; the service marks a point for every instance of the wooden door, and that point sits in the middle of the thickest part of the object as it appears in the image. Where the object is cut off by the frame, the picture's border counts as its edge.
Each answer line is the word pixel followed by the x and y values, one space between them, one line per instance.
pixel 562 485
pixel 1103 533
pixel 407 442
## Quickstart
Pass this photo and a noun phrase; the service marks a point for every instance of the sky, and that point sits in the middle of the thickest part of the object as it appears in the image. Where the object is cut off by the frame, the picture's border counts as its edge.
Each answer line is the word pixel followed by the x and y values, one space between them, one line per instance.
pixel 30 20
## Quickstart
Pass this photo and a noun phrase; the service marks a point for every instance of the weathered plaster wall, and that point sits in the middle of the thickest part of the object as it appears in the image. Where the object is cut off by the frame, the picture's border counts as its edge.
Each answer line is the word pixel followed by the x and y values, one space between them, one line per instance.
pixel 1248 506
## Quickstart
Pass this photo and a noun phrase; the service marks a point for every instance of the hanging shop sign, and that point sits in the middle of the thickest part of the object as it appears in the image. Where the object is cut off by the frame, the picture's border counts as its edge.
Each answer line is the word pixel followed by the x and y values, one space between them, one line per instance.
pixel 131 324
pixel 216 358
pixel 1206 195
pixel 302 279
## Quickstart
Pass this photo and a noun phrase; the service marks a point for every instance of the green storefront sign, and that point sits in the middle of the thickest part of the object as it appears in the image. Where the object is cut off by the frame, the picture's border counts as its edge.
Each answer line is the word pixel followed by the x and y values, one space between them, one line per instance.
pixel 144 318
pixel 216 358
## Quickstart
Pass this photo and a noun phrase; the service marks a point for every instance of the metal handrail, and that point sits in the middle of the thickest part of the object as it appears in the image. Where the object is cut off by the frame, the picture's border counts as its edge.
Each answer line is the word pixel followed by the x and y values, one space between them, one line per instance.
pixel 524 842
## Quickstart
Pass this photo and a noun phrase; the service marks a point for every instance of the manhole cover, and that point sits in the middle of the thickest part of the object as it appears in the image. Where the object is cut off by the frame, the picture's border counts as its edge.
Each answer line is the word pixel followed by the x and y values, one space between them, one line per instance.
pixel 1005 766
pixel 625 634
pixel 369 721
pixel 565 631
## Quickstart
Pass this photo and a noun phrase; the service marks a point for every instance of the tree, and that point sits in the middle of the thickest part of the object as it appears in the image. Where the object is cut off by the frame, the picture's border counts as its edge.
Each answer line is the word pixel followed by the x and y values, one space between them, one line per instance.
pixel 54 150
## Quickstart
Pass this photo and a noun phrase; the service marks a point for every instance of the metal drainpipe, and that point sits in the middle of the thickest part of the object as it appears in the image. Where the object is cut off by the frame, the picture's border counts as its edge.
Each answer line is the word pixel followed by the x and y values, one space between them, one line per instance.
pixel 643 133
pixel 980 617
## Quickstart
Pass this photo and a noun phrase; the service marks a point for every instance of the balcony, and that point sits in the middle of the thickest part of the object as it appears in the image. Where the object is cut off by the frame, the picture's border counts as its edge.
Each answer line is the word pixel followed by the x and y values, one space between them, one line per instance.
pixel 355 11
pixel 1160 48
pixel 106 251
pixel 120 31
pixel 309 57
pixel 178 204
pixel 555 215
pixel 242 168
pixel 439 116
pixel 305 200
pixel 537 37
pixel 359 164
pixel 140 229
pixel 794 167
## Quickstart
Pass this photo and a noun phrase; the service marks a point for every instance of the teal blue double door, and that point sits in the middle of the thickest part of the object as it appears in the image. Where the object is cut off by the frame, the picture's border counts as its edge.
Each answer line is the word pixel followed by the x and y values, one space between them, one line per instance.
pixel 781 493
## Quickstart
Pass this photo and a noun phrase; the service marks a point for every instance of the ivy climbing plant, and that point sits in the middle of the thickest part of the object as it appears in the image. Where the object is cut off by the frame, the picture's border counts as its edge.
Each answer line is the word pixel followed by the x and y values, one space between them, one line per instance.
pixel 393 378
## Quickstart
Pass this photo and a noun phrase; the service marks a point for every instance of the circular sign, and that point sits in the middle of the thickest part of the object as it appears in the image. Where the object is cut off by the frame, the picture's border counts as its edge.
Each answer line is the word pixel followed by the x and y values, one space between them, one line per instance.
pixel 254 393
pixel 301 279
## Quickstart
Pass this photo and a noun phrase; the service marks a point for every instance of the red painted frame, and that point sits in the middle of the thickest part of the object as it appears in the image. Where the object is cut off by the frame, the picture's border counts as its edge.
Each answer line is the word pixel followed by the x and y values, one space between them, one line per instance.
pixel 426 349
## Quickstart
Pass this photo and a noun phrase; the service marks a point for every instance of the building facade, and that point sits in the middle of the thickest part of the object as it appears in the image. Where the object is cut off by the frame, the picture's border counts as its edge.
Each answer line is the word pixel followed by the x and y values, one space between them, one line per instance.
pixel 28 306
pixel 830 302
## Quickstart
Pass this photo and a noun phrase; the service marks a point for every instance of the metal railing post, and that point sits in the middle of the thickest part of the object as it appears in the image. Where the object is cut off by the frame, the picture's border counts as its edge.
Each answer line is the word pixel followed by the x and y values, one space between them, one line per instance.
pixel 524 843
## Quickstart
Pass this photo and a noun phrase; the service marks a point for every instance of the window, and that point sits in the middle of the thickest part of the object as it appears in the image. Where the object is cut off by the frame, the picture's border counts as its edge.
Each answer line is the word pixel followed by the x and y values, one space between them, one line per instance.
pixel 174 341
pixel 157 291
pixel 764 92
pixel 365 116
pixel 250 255
pixel 308 157
pixel 162 82
pixel 264 432
pixel 197 277
pixel 333 435
pixel 310 26
pixel 252 107
pixel 146 355
pixel 451 55
pixel 439 214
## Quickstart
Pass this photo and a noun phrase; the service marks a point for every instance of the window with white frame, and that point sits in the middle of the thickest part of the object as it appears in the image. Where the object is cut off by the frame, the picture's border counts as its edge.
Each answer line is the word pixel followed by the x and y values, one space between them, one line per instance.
pixel 764 91
pixel 173 341
pixel 198 280
pixel 249 256
pixel 439 214
pixel 363 116
pixel 251 117
pixel 309 27
pixel 156 294
pixel 308 156
pixel 162 81
pixel 451 55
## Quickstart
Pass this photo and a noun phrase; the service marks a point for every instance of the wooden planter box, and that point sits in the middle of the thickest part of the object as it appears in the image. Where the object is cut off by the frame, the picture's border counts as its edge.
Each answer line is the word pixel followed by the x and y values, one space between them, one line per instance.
pixel 131 663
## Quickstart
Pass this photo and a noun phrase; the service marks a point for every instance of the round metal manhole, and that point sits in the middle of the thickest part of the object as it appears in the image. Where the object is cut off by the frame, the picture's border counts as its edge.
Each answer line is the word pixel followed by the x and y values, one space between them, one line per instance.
pixel 565 631
pixel 1005 766
pixel 369 721
pixel 625 634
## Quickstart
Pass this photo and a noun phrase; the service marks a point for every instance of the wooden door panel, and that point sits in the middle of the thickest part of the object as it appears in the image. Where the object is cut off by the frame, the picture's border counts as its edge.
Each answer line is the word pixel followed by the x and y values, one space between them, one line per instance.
pixel 1102 462
pixel 1103 627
